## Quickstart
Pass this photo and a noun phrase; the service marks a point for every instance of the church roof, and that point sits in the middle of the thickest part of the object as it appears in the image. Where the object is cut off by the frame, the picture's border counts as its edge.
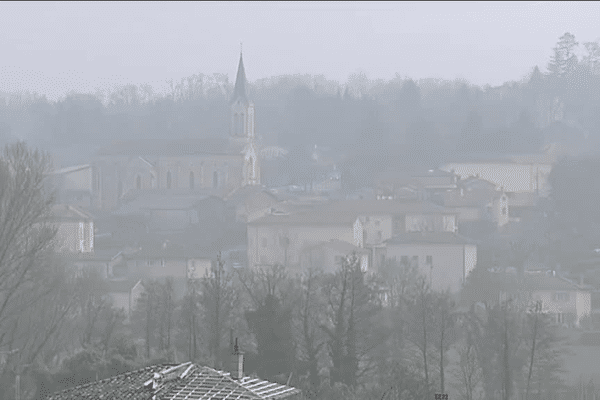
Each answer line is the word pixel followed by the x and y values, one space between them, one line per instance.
pixel 171 147
pixel 239 92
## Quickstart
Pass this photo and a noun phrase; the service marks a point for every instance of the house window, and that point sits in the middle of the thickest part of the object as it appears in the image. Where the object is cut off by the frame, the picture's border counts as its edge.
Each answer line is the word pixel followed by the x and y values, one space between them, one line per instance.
pixel 215 179
pixel 81 237
pixel 339 260
pixel 169 180
pixel 404 260
pixel 138 182
pixel 191 180
pixel 415 261
pixel 377 222
pixel 97 174
pixel 503 210
pixel 429 260
pixel 91 236
pixel 379 236
pixel 561 296
pixel 284 241
pixel 120 189
pixel 162 262
pixel 264 242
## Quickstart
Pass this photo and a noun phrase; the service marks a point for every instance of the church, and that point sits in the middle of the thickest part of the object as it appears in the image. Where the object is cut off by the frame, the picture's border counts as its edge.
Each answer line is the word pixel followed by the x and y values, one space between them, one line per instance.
pixel 216 166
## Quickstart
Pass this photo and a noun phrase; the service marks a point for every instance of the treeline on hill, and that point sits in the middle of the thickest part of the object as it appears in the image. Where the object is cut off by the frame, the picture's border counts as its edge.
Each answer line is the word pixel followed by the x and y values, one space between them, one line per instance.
pixel 405 123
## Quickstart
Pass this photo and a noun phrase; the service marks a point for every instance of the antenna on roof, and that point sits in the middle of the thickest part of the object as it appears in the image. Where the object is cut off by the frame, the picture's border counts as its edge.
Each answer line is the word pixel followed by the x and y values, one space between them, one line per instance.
pixel 241 50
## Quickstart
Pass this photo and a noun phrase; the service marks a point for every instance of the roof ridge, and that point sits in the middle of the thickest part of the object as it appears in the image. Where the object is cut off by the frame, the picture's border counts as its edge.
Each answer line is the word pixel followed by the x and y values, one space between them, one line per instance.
pixel 139 370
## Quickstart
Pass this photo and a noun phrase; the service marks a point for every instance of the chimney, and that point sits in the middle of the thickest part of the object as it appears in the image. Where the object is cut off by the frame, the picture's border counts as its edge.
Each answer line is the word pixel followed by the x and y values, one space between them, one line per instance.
pixel 237 362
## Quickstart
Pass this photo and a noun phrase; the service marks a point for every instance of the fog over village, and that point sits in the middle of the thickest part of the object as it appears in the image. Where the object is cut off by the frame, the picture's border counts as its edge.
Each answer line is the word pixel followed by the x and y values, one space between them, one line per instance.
pixel 362 200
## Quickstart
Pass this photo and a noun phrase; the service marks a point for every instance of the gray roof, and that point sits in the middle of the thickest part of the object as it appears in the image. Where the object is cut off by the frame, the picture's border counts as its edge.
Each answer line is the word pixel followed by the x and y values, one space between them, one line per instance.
pixel 175 382
pixel 347 211
pixel 146 202
pixel 65 212
pixel 542 281
pixel 171 147
pixel 429 238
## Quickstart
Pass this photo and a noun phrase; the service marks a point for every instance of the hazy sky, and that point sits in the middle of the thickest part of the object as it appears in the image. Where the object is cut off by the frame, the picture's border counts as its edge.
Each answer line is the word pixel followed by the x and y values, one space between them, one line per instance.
pixel 55 47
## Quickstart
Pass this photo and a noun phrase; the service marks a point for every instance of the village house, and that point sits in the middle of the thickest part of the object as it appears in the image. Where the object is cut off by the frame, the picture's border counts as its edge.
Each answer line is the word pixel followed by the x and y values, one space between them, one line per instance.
pixel 516 174
pixel 251 202
pixel 75 230
pixel 445 258
pixel 74 184
pixel 124 295
pixel 330 255
pixel 566 300
pixel 281 236
pixel 477 200
pixel 175 212
pixel 158 261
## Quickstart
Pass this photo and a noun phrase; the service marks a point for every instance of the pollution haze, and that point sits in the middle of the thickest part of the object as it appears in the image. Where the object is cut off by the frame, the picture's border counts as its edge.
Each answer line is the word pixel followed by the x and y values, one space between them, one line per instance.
pixel 57 47
pixel 300 200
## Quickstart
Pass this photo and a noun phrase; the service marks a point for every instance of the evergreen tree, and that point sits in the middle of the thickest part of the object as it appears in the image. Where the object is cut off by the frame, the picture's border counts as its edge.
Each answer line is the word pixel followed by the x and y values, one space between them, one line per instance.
pixel 564 59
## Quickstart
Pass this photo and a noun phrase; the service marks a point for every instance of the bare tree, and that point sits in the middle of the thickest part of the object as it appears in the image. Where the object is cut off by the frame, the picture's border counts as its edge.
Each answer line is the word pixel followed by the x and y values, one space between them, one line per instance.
pixel 25 234
pixel 218 299
pixel 468 373
pixel 445 331
pixel 309 313
pixel 351 305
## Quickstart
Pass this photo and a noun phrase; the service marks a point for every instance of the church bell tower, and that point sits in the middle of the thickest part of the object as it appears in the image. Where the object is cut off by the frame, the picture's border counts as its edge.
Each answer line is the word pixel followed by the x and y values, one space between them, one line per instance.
pixel 242 127
pixel 239 104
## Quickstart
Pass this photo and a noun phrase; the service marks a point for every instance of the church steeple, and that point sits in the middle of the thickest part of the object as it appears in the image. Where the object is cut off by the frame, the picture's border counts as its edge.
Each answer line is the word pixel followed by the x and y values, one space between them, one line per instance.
pixel 239 92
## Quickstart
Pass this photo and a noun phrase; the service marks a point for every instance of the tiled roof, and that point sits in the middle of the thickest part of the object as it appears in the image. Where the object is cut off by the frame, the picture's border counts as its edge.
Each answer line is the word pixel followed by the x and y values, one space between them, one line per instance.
pixel 64 212
pixel 70 169
pixel 429 238
pixel 542 281
pixel 177 382
pixel 386 207
pixel 346 211
pixel 160 202
pixel 312 217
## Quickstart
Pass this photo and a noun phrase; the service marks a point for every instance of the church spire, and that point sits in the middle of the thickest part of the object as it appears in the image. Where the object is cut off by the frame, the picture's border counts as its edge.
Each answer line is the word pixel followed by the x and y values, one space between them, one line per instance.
pixel 239 92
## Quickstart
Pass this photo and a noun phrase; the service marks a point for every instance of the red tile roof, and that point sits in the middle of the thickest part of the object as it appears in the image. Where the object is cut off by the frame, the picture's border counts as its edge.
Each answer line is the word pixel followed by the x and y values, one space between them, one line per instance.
pixel 177 382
